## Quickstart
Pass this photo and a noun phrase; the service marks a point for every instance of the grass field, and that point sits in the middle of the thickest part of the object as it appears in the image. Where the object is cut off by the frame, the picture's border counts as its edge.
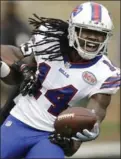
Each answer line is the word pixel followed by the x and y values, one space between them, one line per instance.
pixel 110 131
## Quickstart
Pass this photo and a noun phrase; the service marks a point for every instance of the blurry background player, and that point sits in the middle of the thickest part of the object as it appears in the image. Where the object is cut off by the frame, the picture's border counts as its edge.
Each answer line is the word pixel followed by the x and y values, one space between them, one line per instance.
pixel 66 65
pixel 14 31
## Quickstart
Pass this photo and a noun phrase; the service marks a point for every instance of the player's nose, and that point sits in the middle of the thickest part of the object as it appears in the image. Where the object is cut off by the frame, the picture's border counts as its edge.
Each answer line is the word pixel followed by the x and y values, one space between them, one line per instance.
pixel 92 36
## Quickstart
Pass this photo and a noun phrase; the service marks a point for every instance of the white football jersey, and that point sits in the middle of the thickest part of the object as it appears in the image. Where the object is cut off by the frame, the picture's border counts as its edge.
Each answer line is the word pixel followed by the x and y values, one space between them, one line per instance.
pixel 63 85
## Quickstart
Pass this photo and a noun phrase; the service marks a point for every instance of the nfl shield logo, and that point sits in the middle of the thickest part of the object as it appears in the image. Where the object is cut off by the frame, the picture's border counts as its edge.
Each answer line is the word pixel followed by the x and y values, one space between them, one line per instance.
pixel 89 78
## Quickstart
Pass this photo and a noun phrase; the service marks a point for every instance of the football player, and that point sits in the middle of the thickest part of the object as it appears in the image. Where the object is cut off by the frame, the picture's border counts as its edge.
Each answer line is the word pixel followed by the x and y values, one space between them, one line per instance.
pixel 70 65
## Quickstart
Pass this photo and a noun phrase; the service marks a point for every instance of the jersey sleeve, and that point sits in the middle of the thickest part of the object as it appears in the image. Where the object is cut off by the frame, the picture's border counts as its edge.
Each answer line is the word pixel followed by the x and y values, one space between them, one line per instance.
pixel 110 85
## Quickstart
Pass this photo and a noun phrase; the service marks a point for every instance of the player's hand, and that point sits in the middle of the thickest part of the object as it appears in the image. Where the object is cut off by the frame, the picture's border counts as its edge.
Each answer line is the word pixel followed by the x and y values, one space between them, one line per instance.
pixel 60 140
pixel 87 135
pixel 29 80
pixel 65 143
pixel 28 75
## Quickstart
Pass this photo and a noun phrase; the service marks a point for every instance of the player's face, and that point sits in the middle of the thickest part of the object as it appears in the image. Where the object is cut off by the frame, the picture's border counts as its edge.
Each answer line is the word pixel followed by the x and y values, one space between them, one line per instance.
pixel 89 40
pixel 94 38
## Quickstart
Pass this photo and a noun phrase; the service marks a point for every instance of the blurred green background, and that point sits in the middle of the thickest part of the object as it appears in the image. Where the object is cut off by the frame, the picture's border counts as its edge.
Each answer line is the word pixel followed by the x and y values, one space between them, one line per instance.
pixel 61 9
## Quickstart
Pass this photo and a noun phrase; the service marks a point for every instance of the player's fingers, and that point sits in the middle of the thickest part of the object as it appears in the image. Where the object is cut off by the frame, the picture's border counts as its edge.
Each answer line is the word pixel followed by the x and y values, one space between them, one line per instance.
pixel 96 128
pixel 81 136
pixel 68 139
pixel 87 133
pixel 24 91
pixel 24 84
pixel 75 138
pixel 25 88
pixel 51 136
pixel 59 137
pixel 90 135
pixel 31 85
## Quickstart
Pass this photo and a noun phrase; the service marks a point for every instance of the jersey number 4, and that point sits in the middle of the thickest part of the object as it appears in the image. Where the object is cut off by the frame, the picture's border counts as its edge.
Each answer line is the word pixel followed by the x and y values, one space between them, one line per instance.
pixel 59 97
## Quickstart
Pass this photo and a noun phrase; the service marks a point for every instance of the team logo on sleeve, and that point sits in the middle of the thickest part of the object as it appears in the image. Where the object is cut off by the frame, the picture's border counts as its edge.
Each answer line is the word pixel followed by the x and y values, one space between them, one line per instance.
pixel 89 78
pixel 8 123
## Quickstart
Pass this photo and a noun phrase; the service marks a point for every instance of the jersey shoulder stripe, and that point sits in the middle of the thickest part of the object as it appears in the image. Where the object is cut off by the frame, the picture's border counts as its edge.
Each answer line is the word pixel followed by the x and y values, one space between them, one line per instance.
pixel 111 82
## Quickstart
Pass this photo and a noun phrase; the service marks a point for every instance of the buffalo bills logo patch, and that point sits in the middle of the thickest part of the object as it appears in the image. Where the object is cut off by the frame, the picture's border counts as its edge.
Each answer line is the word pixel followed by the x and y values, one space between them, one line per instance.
pixel 77 10
pixel 89 78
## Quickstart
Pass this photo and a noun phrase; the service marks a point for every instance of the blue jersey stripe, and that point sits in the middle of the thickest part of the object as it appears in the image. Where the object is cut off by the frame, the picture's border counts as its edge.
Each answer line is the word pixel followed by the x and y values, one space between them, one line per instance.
pixel 111 85
pixel 112 79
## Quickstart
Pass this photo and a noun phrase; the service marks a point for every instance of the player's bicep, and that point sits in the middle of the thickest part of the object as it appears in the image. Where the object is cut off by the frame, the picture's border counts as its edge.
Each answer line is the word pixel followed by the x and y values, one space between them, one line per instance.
pixel 99 100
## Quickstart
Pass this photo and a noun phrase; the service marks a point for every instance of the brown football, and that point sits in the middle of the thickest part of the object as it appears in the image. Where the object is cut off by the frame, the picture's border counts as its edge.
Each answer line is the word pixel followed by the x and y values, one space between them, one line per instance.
pixel 73 120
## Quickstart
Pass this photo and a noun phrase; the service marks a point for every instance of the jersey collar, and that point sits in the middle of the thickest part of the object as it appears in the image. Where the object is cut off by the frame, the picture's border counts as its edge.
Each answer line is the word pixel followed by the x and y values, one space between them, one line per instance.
pixel 81 65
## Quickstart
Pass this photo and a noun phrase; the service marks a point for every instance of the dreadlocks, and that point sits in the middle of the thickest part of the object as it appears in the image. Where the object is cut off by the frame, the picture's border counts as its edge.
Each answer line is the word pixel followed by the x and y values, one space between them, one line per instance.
pixel 57 32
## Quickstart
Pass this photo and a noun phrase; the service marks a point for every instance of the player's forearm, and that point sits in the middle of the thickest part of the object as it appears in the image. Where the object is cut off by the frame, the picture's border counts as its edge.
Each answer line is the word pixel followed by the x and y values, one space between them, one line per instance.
pixel 99 103
pixel 10 54
pixel 101 114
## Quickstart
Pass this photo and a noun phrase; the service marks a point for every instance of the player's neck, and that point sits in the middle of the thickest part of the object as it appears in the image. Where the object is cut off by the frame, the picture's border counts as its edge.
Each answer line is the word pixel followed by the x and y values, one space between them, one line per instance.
pixel 74 57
